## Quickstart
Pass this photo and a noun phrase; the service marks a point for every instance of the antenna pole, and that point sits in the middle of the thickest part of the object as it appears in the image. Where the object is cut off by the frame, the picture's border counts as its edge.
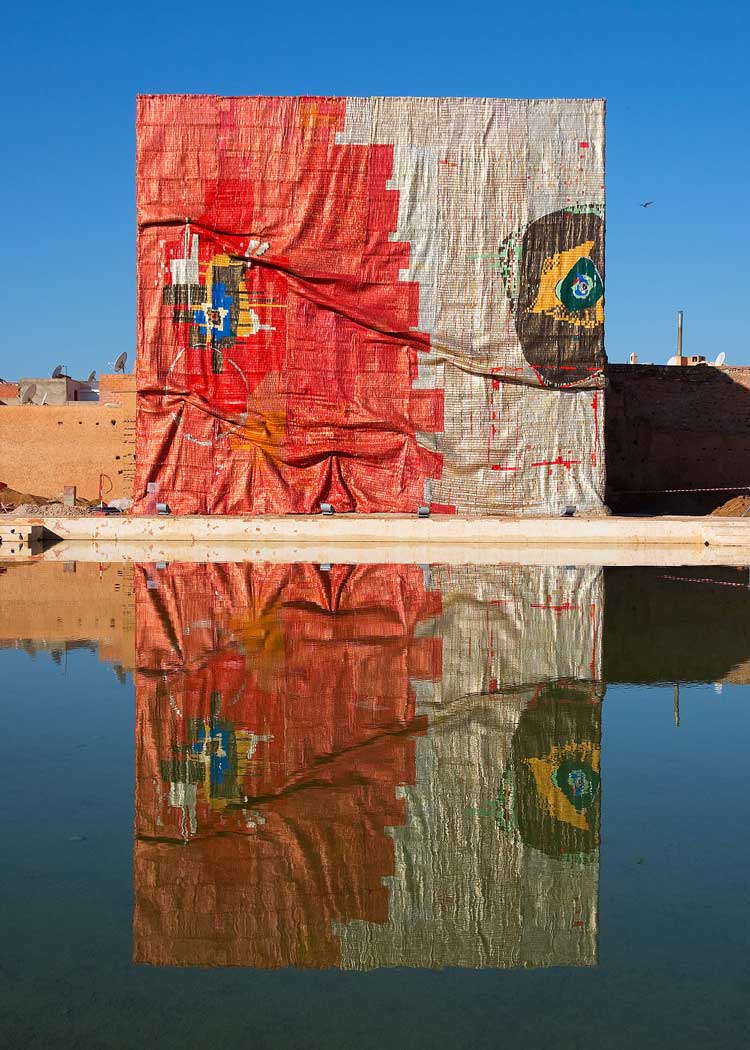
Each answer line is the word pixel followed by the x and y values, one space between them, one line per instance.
pixel 679 337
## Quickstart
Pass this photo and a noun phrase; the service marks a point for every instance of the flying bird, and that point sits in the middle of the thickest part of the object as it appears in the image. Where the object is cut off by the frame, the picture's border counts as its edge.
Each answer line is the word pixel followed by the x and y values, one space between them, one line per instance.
pixel 647 204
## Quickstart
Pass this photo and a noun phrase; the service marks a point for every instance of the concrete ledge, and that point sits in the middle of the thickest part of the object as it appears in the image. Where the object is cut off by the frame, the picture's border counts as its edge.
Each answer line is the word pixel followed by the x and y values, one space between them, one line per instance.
pixel 106 552
pixel 392 538
pixel 390 528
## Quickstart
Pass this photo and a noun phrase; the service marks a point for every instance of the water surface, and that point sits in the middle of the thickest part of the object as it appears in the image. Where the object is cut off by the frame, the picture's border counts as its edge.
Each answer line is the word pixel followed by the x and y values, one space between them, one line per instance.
pixel 305 806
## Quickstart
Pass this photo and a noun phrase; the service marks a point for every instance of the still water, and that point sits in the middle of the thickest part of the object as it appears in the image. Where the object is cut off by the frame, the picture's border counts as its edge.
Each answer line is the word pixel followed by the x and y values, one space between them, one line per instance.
pixel 372 806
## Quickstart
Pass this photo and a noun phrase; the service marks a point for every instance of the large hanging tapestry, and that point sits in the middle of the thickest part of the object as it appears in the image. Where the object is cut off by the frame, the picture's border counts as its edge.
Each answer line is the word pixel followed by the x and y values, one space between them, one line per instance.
pixel 377 303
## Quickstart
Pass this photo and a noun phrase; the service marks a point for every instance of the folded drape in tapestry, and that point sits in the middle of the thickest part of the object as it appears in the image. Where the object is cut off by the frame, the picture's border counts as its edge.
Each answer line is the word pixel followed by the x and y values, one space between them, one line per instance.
pixel 379 303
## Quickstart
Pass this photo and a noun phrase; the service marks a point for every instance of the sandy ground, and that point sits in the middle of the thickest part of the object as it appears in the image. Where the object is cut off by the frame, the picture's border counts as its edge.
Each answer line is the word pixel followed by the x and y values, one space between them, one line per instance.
pixel 45 510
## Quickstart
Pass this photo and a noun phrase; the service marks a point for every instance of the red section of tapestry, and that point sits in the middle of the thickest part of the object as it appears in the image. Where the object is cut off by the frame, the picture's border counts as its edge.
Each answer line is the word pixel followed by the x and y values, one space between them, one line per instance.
pixel 317 405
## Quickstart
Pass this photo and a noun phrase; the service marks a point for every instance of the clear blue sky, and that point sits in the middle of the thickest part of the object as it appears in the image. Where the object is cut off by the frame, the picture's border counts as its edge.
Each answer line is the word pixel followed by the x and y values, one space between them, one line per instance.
pixel 675 77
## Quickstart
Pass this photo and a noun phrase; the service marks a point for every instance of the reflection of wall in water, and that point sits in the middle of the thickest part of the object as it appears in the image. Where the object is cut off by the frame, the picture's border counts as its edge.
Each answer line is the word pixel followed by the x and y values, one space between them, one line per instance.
pixel 349 837
pixel 676 624
pixel 495 866
pixel 54 604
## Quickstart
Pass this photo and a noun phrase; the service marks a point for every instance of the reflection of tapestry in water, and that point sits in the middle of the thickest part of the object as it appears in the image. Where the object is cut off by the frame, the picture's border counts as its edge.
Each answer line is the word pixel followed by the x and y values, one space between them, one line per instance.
pixel 475 884
pixel 379 303
pixel 367 766
pixel 275 721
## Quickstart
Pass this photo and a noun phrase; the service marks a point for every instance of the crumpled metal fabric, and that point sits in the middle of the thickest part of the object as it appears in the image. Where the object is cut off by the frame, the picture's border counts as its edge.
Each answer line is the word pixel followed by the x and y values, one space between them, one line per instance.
pixel 378 303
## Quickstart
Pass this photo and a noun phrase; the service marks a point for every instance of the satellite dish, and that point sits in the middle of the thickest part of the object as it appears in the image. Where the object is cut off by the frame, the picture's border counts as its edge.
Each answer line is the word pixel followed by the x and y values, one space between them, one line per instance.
pixel 673 361
pixel 28 394
pixel 91 376
pixel 720 359
pixel 57 372
pixel 120 362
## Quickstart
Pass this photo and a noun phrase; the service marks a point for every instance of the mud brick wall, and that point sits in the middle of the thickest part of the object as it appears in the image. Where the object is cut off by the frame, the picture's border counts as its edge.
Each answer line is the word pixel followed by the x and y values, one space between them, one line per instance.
pixel 666 428
pixel 45 447
pixel 669 428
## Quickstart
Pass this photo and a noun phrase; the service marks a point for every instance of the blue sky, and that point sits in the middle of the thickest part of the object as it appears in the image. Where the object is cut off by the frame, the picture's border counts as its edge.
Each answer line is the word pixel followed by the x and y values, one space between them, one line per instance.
pixel 675 77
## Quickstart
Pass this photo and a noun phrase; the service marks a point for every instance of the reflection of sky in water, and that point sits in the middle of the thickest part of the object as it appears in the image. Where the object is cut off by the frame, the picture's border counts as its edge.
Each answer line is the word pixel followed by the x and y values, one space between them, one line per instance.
pixel 383 768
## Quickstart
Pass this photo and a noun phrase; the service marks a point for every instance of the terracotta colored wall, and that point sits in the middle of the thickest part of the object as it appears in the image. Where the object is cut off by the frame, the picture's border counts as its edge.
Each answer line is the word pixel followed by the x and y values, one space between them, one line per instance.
pixel 43 448
pixel 117 389
pixel 666 428
pixel 670 428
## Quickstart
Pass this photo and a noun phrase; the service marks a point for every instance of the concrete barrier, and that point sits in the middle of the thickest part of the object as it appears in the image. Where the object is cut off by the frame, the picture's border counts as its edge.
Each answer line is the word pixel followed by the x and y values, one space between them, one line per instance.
pixel 390 538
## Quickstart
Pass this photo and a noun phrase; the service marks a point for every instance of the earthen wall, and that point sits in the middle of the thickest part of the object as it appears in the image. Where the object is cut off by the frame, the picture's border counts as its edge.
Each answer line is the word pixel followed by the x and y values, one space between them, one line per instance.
pixel 45 447
pixel 676 428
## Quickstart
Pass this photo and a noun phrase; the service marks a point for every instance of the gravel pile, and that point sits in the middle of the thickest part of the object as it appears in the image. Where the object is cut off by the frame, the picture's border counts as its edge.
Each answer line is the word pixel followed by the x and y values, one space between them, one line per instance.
pixel 46 510
pixel 733 508
pixel 12 498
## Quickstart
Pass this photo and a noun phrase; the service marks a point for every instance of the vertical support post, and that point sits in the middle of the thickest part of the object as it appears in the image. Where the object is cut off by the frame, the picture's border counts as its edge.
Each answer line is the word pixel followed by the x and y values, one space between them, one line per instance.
pixel 102 492
pixel 677 704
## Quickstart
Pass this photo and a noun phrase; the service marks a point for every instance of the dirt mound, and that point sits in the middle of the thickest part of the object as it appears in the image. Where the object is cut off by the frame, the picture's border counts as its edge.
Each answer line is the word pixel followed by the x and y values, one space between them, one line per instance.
pixel 12 498
pixel 21 504
pixel 46 510
pixel 733 508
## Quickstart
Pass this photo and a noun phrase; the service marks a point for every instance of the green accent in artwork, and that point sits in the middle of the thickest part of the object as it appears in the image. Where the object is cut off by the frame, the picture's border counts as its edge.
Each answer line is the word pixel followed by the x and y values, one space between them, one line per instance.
pixel 579 858
pixel 509 265
pixel 586 209
pixel 582 286
pixel 505 815
pixel 578 781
